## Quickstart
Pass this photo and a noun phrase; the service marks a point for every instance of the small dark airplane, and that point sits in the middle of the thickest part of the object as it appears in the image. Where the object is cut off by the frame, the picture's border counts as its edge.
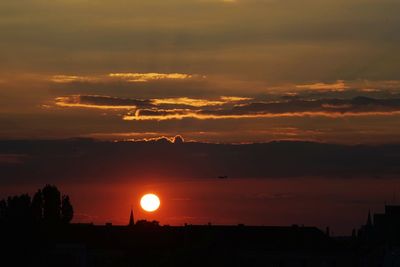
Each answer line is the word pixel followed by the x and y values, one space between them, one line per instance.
pixel 223 177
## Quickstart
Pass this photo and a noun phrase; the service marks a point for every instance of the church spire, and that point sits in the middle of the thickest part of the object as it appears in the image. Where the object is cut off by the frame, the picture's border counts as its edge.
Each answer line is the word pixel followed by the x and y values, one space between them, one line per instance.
pixel 131 221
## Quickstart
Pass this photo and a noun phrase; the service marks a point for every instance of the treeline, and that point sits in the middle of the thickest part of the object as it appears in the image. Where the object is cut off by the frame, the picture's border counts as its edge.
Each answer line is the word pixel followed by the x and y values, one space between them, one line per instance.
pixel 46 206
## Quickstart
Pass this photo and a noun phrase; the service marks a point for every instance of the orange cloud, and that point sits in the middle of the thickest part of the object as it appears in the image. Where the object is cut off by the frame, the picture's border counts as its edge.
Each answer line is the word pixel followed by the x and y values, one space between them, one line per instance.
pixel 202 109
pixel 339 85
pixel 152 76
pixel 196 102
pixel 78 101
pixel 174 140
pixel 125 76
pixel 194 115
pixel 187 101
pixel 235 98
pixel 108 102
pixel 71 78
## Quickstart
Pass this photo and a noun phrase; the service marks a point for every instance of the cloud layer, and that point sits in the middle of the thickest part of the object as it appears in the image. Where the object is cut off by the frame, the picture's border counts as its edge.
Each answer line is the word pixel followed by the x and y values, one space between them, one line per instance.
pixel 121 76
pixel 219 71
pixel 233 107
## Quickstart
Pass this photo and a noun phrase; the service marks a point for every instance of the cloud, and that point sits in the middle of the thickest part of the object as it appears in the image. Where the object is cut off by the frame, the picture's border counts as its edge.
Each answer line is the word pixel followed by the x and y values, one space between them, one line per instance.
pixel 358 106
pixel 120 161
pixel 355 105
pixel 339 85
pixel 224 108
pixel 199 102
pixel 276 39
pixel 235 98
pixel 152 76
pixel 188 101
pixel 170 104
pixel 100 102
pixel 178 139
pixel 198 116
pixel 153 137
pixel 217 136
pixel 124 76
pixel 6 159
pixel 72 78
pixel 213 87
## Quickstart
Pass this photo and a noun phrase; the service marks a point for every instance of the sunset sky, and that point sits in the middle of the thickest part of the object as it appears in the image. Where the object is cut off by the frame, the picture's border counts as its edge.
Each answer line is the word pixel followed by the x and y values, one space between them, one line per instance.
pixel 215 71
pixel 211 71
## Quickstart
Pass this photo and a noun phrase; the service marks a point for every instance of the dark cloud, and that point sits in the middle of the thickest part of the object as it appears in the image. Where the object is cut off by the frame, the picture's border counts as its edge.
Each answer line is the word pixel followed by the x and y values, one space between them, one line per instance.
pixel 145 105
pixel 109 101
pixel 6 159
pixel 97 101
pixel 357 105
pixel 84 160
pixel 180 108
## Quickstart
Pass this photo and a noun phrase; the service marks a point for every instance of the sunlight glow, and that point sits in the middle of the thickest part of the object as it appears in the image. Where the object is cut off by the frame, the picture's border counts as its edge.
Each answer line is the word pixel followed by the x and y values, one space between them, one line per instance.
pixel 150 202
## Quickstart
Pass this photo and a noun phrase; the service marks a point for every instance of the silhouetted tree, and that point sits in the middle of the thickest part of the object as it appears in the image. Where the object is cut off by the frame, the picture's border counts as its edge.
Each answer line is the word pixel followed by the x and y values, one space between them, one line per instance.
pixel 51 204
pixel 147 224
pixel 46 206
pixel 37 206
pixel 67 211
pixel 18 209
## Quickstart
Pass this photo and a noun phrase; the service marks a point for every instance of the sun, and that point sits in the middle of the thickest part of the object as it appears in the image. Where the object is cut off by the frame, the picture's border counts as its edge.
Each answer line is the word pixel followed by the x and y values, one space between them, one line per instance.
pixel 150 202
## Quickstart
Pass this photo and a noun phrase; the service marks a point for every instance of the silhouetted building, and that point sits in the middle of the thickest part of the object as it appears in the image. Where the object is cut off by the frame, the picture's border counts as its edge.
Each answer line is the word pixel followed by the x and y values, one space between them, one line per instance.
pixel 149 244
pixel 387 225
pixel 369 220
pixel 379 239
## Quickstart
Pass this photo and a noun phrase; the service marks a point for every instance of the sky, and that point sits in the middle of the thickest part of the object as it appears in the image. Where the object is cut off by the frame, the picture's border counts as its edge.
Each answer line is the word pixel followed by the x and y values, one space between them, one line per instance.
pixel 277 183
pixel 213 71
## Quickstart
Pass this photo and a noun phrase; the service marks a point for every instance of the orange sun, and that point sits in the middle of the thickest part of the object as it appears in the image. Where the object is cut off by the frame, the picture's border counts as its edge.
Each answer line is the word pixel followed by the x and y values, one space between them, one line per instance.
pixel 150 202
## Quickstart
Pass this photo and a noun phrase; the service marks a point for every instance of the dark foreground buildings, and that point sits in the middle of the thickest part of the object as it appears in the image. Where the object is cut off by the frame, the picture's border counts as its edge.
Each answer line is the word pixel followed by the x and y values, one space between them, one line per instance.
pixel 148 244
pixel 379 238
